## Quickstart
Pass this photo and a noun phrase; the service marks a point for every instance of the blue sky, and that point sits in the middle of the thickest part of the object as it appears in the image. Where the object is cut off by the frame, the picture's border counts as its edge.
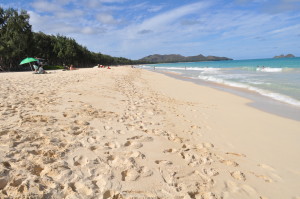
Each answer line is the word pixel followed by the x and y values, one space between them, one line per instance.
pixel 239 29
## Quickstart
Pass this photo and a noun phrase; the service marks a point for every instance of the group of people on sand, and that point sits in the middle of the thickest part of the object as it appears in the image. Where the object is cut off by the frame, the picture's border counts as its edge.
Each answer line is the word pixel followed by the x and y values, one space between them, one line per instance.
pixel 71 67
pixel 38 68
pixel 101 66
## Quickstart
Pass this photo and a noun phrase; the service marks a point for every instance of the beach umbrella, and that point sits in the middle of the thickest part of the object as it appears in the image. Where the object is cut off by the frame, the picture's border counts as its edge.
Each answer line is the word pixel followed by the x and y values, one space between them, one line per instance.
pixel 28 60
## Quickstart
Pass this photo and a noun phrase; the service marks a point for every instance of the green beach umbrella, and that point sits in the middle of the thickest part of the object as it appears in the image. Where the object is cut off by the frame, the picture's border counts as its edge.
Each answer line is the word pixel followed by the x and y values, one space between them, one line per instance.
pixel 28 60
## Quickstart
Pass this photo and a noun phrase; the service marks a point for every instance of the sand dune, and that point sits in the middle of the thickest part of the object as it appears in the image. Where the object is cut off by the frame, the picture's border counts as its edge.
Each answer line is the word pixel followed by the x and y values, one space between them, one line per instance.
pixel 126 133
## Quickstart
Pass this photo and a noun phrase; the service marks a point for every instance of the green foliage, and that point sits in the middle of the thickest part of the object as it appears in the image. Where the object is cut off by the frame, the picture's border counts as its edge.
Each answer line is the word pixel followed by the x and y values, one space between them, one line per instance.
pixel 53 67
pixel 15 37
pixel 17 41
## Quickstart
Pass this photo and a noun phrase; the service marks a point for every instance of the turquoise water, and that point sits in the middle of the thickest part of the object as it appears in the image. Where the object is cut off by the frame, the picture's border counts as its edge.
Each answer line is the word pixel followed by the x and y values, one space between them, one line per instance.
pixel 278 79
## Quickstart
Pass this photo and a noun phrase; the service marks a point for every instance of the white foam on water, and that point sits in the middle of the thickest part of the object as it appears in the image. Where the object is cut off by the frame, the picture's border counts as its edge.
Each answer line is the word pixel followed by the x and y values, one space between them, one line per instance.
pixel 175 72
pixel 257 82
pixel 189 68
pixel 275 96
pixel 271 70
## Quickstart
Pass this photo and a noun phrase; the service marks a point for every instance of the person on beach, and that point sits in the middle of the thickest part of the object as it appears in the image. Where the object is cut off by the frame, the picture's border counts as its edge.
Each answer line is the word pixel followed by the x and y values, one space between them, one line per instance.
pixel 72 67
pixel 41 70
pixel 36 67
pixel 66 67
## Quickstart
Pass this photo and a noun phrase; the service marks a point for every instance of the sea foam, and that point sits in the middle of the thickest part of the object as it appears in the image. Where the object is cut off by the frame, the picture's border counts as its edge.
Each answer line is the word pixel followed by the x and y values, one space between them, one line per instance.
pixel 272 70
pixel 273 95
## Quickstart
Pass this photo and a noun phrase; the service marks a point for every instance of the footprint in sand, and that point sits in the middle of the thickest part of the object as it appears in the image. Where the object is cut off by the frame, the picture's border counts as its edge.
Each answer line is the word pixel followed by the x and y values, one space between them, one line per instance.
pixel 135 145
pixel 136 154
pixel 208 195
pixel 91 140
pixel 195 127
pixel 170 151
pixel 107 128
pixel 210 172
pixel 130 127
pixel 264 166
pixel 135 137
pixel 80 122
pixel 111 194
pixel 236 154
pixel 163 162
pixel 141 138
pixel 92 148
pixel 147 139
pixel 134 173
pixel 3 182
pixel 145 171
pixel 263 177
pixel 195 159
pixel 208 145
pixel 238 175
pixel 112 145
pixel 113 160
pixel 262 197
pixel 82 188
pixel 130 175
pixel 229 163
pixel 119 132
pixel 173 137
pixel 80 160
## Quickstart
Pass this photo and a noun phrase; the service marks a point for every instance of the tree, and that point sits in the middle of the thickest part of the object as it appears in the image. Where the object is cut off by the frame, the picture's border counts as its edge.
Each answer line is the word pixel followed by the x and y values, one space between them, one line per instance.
pixel 15 38
pixel 43 45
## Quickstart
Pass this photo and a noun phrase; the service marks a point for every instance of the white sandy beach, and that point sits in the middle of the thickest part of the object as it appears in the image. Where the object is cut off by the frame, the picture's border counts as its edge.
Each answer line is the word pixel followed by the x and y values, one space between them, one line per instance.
pixel 132 133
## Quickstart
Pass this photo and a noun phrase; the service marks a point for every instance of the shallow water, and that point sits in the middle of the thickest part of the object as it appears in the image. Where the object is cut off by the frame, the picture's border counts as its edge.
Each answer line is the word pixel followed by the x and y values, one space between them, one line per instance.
pixel 277 79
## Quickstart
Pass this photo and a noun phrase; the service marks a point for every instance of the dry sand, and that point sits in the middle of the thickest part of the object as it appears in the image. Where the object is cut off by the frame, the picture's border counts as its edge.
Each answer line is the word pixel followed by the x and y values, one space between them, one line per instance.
pixel 131 133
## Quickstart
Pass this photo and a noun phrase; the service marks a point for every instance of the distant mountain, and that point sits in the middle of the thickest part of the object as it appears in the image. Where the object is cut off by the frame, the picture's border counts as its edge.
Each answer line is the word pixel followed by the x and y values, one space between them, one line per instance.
pixel 284 56
pixel 179 58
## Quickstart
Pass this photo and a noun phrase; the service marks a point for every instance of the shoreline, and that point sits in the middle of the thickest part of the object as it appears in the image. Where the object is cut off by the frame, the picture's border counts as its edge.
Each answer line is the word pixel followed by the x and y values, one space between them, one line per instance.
pixel 129 132
pixel 259 135
pixel 259 101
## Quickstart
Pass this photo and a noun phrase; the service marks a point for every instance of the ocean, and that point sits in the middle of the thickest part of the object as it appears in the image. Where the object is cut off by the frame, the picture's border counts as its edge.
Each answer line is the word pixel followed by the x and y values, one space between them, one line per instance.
pixel 278 79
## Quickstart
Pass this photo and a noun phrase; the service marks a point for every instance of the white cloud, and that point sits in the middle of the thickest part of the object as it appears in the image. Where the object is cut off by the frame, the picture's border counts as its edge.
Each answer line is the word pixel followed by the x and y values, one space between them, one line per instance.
pixel 294 28
pixel 52 25
pixel 106 18
pixel 166 18
pixel 112 1
pixel 44 6
pixel 88 30
pixel 93 3
pixel 70 14
pixel 63 2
